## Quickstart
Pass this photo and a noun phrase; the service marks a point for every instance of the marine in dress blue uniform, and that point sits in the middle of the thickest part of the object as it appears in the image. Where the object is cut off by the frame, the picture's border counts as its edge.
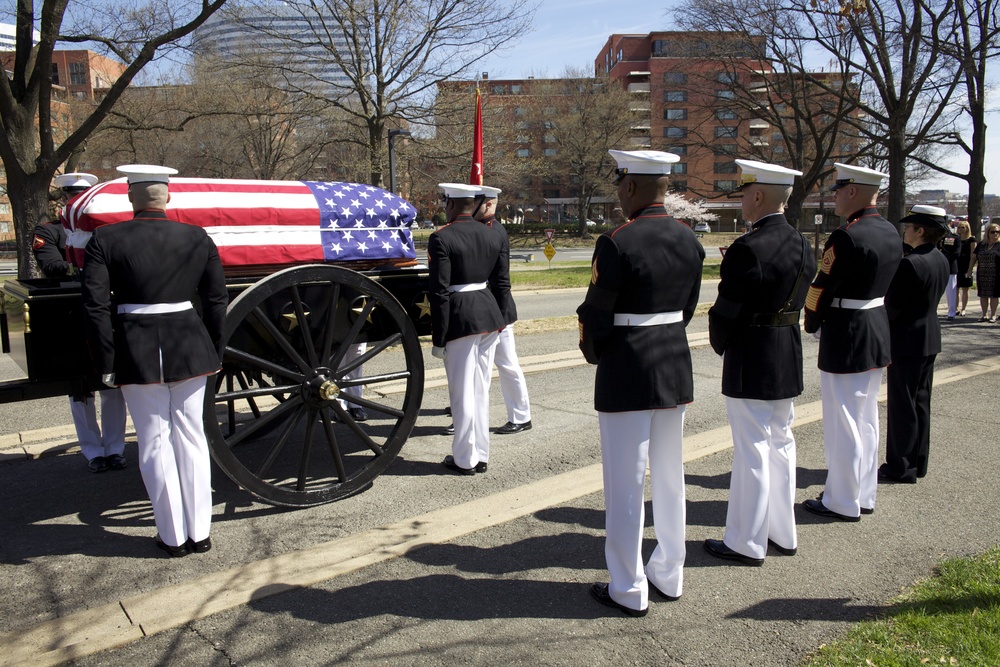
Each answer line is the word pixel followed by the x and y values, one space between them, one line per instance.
pixel 103 444
pixel 141 278
pixel 754 324
pixel 468 278
pixel 911 304
pixel 845 305
pixel 513 386
pixel 645 280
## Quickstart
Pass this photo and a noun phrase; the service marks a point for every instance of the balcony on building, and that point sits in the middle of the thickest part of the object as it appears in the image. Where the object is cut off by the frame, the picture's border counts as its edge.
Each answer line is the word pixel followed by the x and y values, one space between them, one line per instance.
pixel 640 142
pixel 639 87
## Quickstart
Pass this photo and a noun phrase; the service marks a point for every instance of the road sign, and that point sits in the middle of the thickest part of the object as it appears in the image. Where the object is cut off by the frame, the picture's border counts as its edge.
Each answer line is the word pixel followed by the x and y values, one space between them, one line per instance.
pixel 549 251
pixel 550 234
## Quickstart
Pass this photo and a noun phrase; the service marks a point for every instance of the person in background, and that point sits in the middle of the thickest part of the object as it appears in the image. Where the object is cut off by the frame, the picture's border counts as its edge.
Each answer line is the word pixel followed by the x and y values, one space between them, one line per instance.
pixel 967 244
pixel 950 246
pixel 911 304
pixel 152 342
pixel 846 307
pixel 754 324
pixel 465 259
pixel 984 263
pixel 103 445
pixel 512 383
pixel 644 285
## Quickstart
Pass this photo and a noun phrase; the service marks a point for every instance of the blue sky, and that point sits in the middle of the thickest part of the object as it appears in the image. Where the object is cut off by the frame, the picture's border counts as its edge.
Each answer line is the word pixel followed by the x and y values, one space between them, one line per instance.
pixel 572 32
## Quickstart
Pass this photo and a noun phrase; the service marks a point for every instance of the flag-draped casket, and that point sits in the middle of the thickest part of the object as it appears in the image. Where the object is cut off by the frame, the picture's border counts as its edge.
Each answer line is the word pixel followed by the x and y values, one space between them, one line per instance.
pixel 268 223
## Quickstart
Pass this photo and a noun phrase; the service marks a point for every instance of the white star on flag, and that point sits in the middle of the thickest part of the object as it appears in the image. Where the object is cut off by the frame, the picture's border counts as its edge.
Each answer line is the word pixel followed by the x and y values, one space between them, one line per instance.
pixel 362 247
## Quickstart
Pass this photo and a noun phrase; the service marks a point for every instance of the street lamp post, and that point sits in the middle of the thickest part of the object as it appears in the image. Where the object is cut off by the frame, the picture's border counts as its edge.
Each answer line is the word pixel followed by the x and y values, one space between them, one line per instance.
pixel 392 156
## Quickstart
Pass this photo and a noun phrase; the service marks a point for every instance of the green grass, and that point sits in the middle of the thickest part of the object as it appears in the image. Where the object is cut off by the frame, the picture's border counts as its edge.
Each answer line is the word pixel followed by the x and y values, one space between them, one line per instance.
pixel 951 619
pixel 574 274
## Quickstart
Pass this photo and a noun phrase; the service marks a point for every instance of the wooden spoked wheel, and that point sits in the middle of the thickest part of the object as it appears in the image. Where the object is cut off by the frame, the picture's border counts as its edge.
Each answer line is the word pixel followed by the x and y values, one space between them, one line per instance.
pixel 304 349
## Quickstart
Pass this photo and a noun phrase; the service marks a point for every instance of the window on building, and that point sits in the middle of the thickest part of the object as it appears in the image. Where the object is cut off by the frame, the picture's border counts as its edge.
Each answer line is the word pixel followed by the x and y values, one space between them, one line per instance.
pixel 847 148
pixel 515 89
pixel 727 167
pixel 675 77
pixel 550 193
pixel 777 137
pixel 725 95
pixel 726 114
pixel 675 96
pixel 758 131
pixel 522 125
pixel 523 152
pixel 675 132
pixel 5 209
pixel 549 152
pixel 780 107
pixel 678 150
pixel 523 139
pixel 77 74
pixel 679 168
pixel 549 138
pixel 520 111
pixel 678 186
pixel 55 74
pixel 726 77
pixel 548 125
pixel 726 132
pixel 659 48
pixel 675 114
pixel 725 186
pixel 724 149
pixel 779 148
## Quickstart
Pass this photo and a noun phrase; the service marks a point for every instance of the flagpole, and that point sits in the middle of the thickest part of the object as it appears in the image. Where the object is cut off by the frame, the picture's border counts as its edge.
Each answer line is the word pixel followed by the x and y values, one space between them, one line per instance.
pixel 476 172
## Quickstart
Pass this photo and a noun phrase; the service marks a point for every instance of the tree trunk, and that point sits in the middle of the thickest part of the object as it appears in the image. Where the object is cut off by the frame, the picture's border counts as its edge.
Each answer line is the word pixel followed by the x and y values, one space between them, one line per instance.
pixel 29 202
pixel 977 166
pixel 896 196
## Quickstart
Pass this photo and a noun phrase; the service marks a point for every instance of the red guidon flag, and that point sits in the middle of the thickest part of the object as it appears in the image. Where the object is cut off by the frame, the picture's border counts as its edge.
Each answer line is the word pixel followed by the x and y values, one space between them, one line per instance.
pixel 476 173
pixel 264 222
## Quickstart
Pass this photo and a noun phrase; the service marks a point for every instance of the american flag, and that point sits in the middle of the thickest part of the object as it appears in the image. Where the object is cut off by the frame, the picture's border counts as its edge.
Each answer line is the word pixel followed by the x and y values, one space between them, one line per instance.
pixel 264 222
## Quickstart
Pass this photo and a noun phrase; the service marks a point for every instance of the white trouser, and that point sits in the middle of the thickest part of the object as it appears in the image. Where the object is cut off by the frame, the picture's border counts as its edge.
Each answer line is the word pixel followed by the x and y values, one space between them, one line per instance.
pixel 850 439
pixel 762 488
pixel 173 456
pixel 109 437
pixel 628 440
pixel 512 384
pixel 468 363
pixel 951 294
pixel 353 352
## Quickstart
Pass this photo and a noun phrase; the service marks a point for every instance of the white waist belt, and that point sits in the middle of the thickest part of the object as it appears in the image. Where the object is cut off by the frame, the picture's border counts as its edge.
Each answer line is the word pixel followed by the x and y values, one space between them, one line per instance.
pixel 153 308
pixel 648 319
pixel 857 304
pixel 469 287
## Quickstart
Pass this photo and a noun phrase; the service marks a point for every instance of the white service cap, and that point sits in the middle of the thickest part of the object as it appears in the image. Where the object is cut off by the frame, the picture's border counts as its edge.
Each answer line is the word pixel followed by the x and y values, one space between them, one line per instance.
pixel 489 192
pixel 643 162
pixel 75 180
pixel 147 173
pixel 460 190
pixel 848 174
pixel 929 210
pixel 765 174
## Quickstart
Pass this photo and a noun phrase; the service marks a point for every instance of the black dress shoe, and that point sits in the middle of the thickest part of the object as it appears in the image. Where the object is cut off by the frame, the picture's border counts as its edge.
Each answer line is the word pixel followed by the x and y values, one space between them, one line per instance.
pixel 449 463
pixel 784 551
pixel 481 466
pixel 511 427
pixel 117 462
pixel 884 477
pixel 600 593
pixel 868 510
pixel 817 507
pixel 668 598
pixel 358 414
pixel 447 410
pixel 719 549
pixel 173 552
pixel 199 547
pixel 97 464
pixel 448 430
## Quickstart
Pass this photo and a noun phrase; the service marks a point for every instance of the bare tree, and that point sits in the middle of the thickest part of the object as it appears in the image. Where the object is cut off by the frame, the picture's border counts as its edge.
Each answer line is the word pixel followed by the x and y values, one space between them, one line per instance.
pixel 132 32
pixel 593 116
pixel 897 49
pixel 977 28
pixel 379 61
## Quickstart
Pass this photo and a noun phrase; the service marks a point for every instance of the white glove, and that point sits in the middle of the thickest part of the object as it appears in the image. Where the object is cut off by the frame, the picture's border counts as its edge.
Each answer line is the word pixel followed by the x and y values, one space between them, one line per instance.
pixel 817 333
pixel 109 380
pixel 439 352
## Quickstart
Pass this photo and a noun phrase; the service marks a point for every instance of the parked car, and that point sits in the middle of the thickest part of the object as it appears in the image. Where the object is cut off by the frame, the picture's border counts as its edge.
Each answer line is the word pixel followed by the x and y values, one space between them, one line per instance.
pixel 702 227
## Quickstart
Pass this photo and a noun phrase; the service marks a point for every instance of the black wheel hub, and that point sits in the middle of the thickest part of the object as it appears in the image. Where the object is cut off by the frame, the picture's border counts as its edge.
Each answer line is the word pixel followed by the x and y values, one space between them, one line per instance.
pixel 319 388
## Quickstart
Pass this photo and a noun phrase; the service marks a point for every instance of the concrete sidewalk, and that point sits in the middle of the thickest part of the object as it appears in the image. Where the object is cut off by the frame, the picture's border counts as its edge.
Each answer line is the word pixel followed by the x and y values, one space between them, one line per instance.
pixel 503 577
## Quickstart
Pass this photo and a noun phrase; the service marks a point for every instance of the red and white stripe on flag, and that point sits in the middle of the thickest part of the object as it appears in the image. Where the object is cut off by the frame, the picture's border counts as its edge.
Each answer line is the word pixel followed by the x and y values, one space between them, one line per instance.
pixel 251 222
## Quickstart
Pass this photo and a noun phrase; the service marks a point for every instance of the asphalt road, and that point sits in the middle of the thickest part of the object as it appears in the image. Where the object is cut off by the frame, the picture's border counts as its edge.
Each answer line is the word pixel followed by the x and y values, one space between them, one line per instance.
pixel 508 588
